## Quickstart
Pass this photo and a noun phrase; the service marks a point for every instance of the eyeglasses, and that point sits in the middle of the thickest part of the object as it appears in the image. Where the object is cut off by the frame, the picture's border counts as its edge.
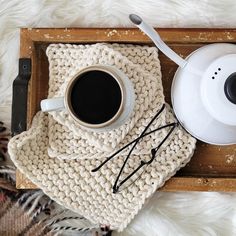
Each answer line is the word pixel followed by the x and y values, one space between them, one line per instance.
pixel 118 184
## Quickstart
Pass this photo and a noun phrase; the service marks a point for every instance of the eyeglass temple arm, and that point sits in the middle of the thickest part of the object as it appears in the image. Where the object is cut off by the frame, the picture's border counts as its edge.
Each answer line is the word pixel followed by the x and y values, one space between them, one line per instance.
pixel 134 141
pixel 115 186
pixel 155 150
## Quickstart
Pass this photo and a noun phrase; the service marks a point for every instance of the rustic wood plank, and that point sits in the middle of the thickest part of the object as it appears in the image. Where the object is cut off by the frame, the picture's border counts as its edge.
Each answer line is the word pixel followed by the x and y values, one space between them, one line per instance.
pixel 22 182
pixel 212 168
pixel 132 35
pixel 200 184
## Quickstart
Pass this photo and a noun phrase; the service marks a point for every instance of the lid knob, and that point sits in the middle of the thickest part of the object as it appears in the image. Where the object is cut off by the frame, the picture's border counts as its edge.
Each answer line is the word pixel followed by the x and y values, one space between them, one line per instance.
pixel 230 88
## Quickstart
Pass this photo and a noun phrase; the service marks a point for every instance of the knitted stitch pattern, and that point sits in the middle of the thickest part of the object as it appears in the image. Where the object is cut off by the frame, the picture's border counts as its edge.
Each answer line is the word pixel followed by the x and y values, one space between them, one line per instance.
pixel 65 60
pixel 70 181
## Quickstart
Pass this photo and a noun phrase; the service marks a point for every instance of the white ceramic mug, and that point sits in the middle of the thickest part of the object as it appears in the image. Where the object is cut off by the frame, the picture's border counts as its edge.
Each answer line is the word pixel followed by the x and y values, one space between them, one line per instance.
pixel 124 109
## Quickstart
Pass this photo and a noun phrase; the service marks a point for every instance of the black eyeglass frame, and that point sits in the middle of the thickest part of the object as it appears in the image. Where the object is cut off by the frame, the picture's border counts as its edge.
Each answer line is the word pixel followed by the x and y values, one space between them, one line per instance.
pixel 154 151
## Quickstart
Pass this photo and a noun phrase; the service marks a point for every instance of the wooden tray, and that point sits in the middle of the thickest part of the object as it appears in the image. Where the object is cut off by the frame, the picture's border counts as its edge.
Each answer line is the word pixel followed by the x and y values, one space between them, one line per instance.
pixel 212 168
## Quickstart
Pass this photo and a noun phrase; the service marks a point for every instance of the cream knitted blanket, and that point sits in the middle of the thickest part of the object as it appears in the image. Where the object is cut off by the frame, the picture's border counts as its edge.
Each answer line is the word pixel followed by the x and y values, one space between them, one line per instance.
pixel 68 179
pixel 142 66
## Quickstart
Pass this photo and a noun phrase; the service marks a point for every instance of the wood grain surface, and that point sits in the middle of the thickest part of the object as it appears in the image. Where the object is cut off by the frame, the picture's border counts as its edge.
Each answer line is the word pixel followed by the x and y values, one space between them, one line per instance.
pixel 212 168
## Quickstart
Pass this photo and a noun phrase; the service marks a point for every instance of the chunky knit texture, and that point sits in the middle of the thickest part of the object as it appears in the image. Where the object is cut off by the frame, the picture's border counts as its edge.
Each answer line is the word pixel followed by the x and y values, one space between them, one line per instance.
pixel 140 64
pixel 70 181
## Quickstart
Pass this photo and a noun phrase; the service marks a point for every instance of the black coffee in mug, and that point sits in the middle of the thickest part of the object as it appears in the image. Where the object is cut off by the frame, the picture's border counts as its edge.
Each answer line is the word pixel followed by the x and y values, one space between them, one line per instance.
pixel 98 97
pixel 95 97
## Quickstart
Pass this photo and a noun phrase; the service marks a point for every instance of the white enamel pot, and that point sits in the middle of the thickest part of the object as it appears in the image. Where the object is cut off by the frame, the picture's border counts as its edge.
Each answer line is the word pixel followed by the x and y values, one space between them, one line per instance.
pixel 203 91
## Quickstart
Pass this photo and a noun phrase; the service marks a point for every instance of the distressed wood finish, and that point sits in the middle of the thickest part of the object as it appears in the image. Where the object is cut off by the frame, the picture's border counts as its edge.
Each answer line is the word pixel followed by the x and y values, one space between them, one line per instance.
pixel 212 168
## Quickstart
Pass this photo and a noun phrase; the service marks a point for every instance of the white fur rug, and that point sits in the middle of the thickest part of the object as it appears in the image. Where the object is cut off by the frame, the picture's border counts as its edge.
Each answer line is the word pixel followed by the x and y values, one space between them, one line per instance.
pixel 167 213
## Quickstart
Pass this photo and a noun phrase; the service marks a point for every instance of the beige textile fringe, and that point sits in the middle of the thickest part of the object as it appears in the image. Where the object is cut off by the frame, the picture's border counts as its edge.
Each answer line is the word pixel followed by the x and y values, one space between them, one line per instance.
pixel 14 221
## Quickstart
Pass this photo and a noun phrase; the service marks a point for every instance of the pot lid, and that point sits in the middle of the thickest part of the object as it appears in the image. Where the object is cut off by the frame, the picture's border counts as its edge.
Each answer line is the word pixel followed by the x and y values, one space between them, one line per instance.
pixel 218 89
pixel 204 105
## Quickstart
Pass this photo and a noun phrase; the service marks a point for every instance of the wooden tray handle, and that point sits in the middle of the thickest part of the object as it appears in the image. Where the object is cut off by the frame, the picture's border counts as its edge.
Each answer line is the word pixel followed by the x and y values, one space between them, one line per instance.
pixel 19 99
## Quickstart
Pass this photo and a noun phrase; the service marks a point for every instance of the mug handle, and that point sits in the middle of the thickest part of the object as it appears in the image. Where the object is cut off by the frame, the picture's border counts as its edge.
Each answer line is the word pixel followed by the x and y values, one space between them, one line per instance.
pixel 52 104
